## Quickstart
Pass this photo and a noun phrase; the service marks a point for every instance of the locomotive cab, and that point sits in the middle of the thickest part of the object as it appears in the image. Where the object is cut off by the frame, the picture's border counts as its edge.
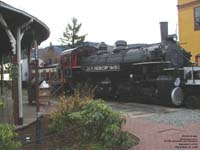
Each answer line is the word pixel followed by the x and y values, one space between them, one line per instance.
pixel 192 87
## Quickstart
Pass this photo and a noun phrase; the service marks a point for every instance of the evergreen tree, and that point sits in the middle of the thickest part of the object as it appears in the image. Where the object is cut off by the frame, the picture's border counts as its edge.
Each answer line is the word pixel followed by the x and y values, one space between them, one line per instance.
pixel 70 36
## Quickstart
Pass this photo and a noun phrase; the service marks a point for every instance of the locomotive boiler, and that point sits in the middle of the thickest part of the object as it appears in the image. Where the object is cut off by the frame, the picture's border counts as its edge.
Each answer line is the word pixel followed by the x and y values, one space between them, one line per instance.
pixel 144 72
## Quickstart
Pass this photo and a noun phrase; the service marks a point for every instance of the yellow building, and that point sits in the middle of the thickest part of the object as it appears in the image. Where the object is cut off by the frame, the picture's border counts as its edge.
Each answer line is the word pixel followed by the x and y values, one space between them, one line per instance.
pixel 189 26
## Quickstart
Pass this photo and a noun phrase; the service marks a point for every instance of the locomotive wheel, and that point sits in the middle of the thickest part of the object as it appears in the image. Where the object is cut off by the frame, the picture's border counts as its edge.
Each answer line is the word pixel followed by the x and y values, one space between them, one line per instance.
pixel 177 97
pixel 192 102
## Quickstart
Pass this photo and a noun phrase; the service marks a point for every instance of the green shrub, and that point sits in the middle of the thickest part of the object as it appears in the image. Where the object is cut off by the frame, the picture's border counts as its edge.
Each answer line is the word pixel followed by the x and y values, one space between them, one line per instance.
pixel 94 124
pixel 7 136
pixel 61 119
pixel 103 125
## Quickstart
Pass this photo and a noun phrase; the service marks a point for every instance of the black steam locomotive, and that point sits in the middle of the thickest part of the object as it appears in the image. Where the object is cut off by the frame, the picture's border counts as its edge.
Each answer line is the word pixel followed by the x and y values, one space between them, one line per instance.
pixel 143 72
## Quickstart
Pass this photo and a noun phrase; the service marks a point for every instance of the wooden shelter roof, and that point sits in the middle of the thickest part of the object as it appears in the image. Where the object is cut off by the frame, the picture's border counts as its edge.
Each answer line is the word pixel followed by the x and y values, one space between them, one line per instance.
pixel 14 18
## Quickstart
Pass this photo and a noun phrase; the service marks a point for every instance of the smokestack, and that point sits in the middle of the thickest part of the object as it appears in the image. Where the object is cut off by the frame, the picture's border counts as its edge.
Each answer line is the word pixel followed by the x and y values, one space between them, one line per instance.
pixel 164 31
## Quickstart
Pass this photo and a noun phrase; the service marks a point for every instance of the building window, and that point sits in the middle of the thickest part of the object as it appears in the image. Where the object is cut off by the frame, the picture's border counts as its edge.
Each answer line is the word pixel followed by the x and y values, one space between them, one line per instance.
pixel 197 18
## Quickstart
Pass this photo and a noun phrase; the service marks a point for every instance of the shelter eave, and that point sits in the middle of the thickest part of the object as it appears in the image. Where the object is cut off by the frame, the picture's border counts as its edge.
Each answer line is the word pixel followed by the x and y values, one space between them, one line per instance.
pixel 16 17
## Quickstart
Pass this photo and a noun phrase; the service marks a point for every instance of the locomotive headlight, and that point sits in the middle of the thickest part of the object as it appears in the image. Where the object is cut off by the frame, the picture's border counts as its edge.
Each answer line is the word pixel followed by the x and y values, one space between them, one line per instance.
pixel 177 82
pixel 131 76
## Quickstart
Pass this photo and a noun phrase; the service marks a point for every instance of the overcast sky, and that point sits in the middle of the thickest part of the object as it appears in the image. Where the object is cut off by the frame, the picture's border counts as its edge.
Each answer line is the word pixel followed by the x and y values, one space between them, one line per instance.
pixel 136 21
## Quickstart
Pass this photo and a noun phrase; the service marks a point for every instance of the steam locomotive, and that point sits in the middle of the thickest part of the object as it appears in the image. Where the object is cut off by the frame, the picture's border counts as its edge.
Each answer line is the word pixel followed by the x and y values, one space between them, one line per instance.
pixel 153 72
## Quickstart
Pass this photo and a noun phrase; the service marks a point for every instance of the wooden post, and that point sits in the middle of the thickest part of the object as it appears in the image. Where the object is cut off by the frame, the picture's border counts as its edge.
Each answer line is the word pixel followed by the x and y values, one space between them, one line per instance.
pixel 36 78
pixel 37 87
pixel 15 91
pixel 38 115
pixel 29 75
pixel 19 76
pixel 20 33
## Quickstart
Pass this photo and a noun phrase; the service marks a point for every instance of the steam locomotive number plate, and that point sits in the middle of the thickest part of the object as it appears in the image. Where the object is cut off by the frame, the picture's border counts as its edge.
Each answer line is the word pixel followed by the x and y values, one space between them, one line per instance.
pixel 102 68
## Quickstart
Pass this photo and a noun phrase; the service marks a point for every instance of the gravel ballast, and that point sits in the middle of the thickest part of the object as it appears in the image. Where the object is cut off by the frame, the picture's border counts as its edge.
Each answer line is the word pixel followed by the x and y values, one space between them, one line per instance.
pixel 178 118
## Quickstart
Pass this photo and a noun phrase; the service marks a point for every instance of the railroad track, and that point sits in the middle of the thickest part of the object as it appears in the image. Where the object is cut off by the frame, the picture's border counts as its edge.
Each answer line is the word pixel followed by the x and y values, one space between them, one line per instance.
pixel 137 110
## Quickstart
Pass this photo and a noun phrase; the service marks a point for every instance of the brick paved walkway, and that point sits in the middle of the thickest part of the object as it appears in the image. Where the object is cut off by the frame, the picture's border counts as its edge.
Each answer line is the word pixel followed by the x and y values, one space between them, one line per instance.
pixel 153 135
pixel 156 136
pixel 30 112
